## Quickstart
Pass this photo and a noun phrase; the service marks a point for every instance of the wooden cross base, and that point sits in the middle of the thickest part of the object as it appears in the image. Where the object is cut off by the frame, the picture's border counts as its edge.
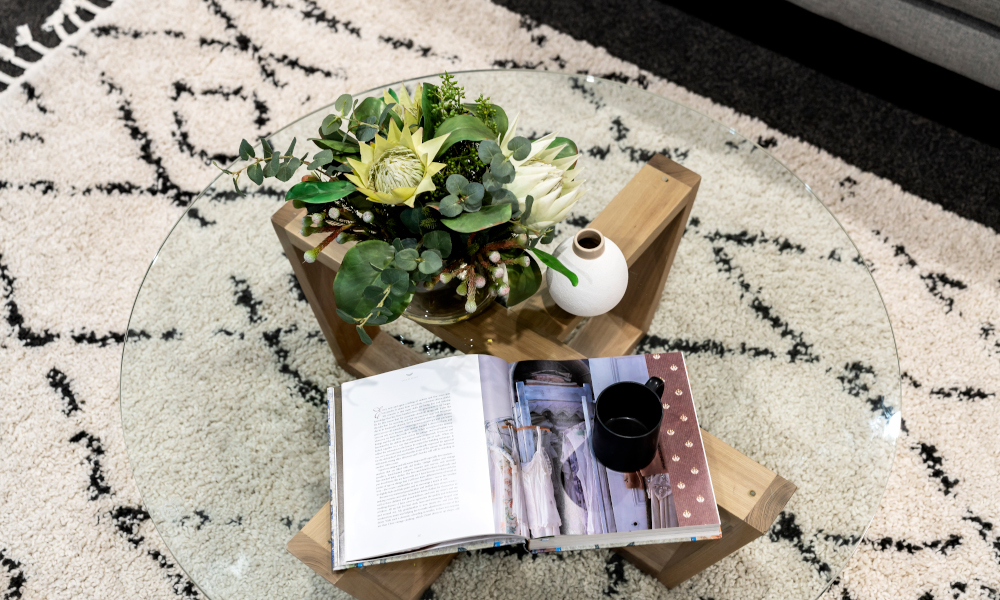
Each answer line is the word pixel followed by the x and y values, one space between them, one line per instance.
pixel 646 220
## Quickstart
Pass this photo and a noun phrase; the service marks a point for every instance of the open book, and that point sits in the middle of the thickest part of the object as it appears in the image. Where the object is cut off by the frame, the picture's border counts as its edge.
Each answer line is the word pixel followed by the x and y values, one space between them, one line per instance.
pixel 471 452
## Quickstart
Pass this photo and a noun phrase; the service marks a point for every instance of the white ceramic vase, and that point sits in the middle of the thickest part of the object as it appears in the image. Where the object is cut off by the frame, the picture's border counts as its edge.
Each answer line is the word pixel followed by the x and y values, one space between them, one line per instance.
pixel 601 268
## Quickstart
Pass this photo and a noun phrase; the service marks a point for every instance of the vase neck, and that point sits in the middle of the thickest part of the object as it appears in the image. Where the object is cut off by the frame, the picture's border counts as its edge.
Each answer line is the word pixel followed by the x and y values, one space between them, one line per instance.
pixel 588 244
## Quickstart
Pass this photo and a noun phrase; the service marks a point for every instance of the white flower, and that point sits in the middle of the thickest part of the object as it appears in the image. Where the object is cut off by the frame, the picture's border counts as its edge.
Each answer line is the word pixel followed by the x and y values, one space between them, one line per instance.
pixel 551 182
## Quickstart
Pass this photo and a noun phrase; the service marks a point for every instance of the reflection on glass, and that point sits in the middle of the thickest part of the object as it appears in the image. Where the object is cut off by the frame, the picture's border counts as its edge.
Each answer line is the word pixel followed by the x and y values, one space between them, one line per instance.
pixel 788 345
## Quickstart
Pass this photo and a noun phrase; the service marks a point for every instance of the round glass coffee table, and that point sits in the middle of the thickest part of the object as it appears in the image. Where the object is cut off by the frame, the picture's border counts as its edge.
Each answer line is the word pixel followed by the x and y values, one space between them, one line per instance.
pixel 789 348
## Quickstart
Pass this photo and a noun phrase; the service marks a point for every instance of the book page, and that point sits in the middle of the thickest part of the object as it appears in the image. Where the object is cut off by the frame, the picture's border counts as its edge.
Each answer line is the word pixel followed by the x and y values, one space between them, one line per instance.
pixel 415 459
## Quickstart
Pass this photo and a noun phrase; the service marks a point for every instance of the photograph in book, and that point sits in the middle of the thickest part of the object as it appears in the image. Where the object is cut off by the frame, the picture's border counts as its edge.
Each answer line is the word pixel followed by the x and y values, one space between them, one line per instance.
pixel 569 493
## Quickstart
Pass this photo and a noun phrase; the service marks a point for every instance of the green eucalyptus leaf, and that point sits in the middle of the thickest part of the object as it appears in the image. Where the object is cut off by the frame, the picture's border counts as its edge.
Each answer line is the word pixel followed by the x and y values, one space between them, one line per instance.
pixel 266 148
pixel 343 315
pixel 369 108
pixel 246 150
pixel 364 335
pixel 272 166
pixel 528 201
pixel 553 263
pixel 406 258
pixel 432 262
pixel 358 271
pixel 411 217
pixel 462 128
pixel 489 216
pixel 475 192
pixel 291 148
pixel 289 169
pixel 471 205
pixel 373 293
pixel 503 172
pixel 343 103
pixel 394 276
pixel 523 281
pixel 450 206
pixel 487 150
pixel 520 146
pixel 438 240
pixel 255 173
pixel 330 125
pixel 318 192
pixel 409 243
pixel 456 183
pixel 321 159
pixel 490 182
pixel 378 320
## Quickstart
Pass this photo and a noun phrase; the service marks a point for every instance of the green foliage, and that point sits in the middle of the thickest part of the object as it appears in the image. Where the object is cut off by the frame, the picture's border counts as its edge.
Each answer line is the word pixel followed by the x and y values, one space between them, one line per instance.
pixel 491 114
pixel 553 263
pixel 450 96
pixel 368 264
pixel 463 196
pixel 524 282
pixel 406 259
pixel 246 150
pixel 463 128
pixel 431 262
pixel 411 218
pixel 489 216
pixel 569 150
pixel 429 93
pixel 520 147
pixel 255 173
pixel 438 240
pixel 318 193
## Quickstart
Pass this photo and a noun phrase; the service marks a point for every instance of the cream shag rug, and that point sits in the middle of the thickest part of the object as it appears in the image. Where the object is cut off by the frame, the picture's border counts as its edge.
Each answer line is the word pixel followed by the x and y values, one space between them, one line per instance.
pixel 107 138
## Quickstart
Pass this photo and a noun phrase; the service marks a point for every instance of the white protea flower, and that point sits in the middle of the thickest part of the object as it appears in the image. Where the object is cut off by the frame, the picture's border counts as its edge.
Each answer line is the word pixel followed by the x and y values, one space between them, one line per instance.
pixel 551 182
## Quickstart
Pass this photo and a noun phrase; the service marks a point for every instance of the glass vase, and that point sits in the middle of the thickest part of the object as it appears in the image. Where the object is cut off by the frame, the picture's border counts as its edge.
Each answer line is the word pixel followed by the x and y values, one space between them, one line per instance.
pixel 441 305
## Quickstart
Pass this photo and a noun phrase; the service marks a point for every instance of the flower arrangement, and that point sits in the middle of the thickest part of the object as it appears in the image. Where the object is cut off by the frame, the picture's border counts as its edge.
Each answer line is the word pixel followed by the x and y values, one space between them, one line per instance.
pixel 437 192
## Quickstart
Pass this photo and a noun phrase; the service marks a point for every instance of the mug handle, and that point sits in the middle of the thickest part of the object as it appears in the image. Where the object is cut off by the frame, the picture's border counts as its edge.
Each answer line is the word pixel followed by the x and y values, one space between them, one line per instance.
pixel 656 385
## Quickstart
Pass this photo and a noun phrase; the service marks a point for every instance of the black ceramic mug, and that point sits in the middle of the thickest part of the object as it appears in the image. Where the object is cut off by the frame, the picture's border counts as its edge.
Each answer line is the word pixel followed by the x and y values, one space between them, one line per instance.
pixel 627 424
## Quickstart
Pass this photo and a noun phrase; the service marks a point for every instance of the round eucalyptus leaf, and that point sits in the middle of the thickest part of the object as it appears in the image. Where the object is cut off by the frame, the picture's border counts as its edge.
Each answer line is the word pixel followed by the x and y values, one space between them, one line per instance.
pixel 450 206
pixel 393 276
pixel 490 182
pixel 504 172
pixel 456 183
pixel 475 192
pixel 343 103
pixel 487 150
pixel 359 270
pixel 432 262
pixel 470 206
pixel 438 240
pixel 520 146
pixel 406 259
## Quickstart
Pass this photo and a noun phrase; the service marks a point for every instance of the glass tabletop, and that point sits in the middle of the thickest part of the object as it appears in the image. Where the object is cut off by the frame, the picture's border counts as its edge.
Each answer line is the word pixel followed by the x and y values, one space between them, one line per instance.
pixel 789 348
